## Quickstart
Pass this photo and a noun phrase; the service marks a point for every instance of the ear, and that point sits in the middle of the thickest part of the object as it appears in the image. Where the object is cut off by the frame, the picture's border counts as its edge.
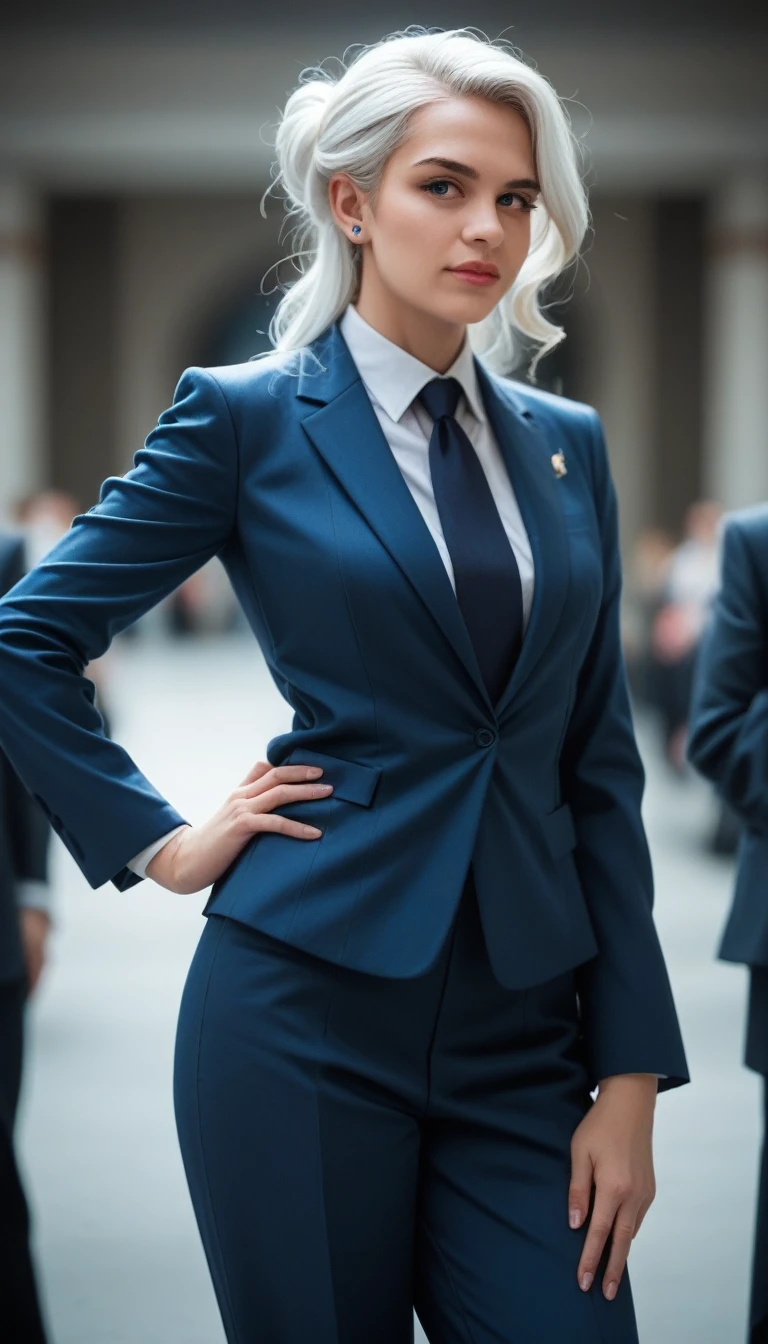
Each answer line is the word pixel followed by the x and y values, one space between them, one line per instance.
pixel 346 202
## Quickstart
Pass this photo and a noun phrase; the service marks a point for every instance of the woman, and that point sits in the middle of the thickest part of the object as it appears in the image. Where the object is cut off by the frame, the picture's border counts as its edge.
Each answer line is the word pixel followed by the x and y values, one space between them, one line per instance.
pixel 430 934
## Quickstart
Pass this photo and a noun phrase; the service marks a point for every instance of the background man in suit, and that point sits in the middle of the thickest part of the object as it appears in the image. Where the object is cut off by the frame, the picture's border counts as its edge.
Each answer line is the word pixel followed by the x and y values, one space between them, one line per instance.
pixel 728 743
pixel 24 923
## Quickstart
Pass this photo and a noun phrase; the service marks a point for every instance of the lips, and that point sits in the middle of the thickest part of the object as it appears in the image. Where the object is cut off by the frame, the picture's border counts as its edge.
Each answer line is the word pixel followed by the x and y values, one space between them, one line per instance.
pixel 478 268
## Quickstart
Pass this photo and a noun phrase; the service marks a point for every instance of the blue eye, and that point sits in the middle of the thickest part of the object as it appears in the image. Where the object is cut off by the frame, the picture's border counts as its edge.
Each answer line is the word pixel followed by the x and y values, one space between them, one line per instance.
pixel 526 205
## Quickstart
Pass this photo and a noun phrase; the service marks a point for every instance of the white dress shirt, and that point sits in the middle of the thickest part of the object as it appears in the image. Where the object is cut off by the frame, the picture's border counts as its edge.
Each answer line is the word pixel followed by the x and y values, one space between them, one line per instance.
pixel 393 379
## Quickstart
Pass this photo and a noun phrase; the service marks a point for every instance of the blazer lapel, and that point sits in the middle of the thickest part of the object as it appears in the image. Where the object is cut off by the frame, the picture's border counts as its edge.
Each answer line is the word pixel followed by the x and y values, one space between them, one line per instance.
pixel 527 456
pixel 346 432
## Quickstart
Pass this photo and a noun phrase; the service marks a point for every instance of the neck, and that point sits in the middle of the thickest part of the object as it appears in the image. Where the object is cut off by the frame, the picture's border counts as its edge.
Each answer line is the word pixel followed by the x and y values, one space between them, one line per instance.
pixel 431 339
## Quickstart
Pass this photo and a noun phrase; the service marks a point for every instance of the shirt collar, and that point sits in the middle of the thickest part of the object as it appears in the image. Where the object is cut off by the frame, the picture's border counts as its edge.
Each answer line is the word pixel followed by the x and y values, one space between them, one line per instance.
pixel 396 377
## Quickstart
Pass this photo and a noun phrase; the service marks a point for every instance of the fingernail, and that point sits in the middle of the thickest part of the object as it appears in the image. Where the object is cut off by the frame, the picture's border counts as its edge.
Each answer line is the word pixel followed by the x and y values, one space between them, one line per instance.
pixel 586 1280
pixel 314 771
pixel 575 1218
pixel 610 1291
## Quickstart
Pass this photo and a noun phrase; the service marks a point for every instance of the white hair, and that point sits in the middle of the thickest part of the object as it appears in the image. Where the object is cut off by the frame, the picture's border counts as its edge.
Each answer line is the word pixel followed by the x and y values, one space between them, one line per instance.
pixel 353 124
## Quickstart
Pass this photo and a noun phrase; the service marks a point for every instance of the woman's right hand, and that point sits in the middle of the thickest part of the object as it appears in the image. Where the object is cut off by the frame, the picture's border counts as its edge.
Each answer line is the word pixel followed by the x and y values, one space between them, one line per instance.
pixel 198 855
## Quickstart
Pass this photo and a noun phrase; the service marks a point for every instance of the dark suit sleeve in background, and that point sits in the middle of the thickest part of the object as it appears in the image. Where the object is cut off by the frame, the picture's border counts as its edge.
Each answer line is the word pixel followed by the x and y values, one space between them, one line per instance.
pixel 728 735
pixel 26 828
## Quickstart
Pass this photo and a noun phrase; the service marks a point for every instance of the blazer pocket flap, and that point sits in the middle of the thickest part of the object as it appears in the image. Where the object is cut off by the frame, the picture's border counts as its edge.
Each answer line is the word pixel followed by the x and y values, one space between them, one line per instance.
pixel 351 780
pixel 560 831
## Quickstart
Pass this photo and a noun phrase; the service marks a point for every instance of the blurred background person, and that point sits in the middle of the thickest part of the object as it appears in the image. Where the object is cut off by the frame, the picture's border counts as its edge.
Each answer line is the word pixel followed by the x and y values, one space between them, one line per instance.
pixel 728 744
pixel 689 584
pixel 43 517
pixel 204 604
pixel 644 591
pixel 24 925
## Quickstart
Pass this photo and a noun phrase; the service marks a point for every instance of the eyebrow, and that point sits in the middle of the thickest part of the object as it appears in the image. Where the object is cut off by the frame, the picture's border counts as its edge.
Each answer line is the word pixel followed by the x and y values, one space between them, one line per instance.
pixel 465 171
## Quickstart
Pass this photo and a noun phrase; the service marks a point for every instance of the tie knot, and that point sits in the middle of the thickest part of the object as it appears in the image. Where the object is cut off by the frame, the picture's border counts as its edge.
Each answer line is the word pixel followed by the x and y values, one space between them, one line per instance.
pixel 440 397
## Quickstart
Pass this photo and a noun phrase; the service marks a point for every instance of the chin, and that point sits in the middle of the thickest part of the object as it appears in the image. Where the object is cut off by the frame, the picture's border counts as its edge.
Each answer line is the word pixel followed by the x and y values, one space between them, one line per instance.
pixel 472 311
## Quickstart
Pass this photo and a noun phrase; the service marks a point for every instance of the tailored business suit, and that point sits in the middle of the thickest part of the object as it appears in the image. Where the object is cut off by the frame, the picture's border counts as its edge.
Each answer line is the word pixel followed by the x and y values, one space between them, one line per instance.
pixel 24 835
pixel 728 743
pixel 375 948
pixel 391 378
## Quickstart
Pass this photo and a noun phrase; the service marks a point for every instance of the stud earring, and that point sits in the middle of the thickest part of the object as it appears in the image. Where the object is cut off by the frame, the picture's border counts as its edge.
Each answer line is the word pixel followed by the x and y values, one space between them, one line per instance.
pixel 356 228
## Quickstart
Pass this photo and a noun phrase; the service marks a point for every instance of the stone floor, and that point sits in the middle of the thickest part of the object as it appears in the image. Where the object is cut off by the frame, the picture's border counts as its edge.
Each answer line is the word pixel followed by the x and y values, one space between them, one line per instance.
pixel 117 1246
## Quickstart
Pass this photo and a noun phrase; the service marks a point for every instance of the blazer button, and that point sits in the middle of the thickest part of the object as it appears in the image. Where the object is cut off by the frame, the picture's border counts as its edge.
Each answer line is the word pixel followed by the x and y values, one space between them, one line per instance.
pixel 484 737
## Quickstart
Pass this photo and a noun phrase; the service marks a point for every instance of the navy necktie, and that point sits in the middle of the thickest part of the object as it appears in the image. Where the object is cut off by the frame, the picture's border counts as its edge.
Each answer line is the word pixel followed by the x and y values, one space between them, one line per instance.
pixel 488 587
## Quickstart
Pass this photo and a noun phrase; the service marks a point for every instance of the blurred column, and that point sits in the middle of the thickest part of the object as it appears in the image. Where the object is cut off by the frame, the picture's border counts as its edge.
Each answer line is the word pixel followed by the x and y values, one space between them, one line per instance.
pixel 22 378
pixel 736 381
pixel 617 336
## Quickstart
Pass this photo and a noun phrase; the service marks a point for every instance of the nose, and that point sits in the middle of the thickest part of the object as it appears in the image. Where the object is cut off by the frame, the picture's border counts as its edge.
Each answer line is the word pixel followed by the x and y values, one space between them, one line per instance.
pixel 484 227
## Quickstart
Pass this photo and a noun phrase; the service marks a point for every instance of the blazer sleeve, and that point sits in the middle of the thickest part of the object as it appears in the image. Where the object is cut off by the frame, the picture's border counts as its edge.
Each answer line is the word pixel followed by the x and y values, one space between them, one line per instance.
pixel 148 532
pixel 629 1020
pixel 728 723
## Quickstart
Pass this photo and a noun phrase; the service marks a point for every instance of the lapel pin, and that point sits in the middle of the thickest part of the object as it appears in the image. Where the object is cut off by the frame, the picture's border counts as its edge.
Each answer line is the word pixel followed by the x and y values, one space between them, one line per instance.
pixel 558 462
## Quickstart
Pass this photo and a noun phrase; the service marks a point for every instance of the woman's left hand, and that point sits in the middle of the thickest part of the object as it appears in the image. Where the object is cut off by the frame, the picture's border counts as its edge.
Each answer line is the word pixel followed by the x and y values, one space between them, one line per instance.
pixel 612 1146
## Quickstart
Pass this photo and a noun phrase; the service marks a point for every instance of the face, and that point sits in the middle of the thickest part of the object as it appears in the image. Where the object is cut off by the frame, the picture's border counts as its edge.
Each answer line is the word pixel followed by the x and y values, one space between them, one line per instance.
pixel 429 218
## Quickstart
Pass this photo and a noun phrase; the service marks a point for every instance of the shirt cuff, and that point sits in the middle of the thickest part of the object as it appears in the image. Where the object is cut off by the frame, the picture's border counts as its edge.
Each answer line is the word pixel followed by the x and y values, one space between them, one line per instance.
pixel 138 864
pixel 34 895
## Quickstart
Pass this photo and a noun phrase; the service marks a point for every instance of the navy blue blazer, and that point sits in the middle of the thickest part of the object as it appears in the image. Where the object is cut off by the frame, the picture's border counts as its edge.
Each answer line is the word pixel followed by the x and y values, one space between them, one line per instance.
pixel 24 831
pixel 280 467
pixel 728 724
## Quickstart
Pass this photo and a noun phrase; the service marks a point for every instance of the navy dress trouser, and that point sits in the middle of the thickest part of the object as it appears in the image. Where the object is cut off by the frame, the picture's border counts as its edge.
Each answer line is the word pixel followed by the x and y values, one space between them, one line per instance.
pixel 21 1320
pixel 357 1146
pixel 756 1057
